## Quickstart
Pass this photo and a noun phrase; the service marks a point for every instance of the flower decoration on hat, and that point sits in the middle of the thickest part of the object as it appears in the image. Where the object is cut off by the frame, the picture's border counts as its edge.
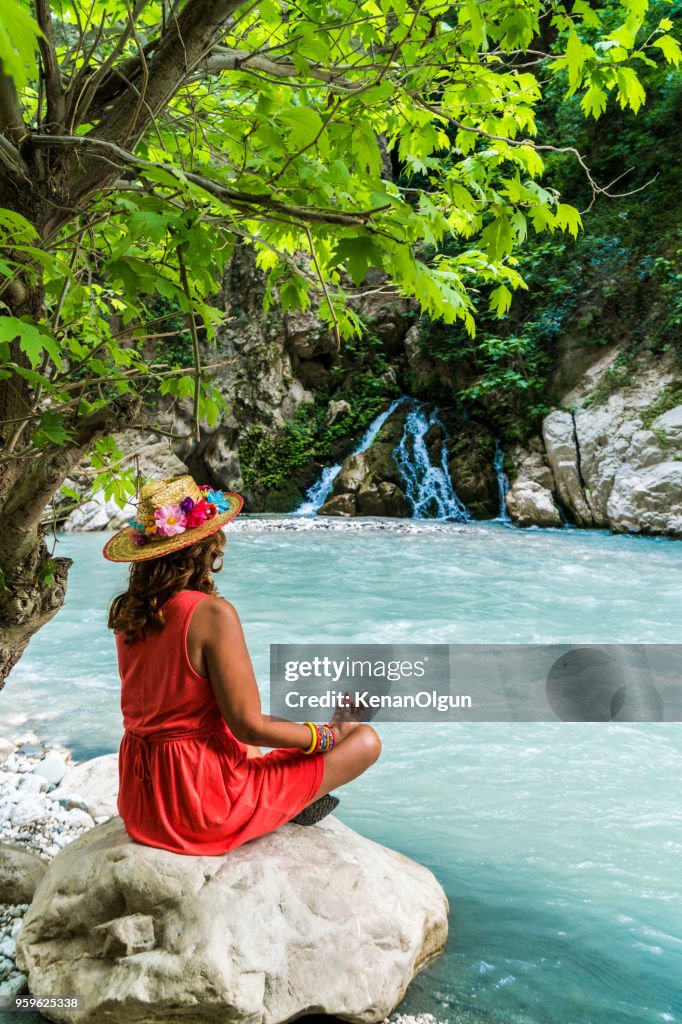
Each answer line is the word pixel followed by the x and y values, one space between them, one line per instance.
pixel 175 518
pixel 216 498
pixel 170 520
pixel 172 514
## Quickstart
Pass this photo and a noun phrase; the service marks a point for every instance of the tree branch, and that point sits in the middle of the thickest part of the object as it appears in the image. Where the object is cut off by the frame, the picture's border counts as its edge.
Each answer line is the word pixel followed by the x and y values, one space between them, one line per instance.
pixel 186 41
pixel 225 59
pixel 12 160
pixel 81 104
pixel 11 119
pixel 54 93
pixel 240 200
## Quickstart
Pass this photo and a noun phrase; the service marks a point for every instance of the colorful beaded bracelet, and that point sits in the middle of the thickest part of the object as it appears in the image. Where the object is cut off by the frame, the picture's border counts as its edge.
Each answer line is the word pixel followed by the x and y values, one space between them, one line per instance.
pixel 322 738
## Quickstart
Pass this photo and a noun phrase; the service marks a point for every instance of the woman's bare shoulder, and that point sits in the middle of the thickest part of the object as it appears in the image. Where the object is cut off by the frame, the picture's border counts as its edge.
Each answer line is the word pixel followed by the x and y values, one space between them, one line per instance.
pixel 216 610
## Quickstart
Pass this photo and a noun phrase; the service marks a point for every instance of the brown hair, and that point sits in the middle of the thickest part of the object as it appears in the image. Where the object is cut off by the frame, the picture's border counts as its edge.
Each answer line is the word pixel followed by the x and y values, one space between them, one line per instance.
pixel 154 581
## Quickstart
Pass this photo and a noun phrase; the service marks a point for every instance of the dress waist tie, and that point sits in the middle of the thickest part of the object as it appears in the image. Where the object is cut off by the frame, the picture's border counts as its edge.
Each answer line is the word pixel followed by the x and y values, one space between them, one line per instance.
pixel 141 744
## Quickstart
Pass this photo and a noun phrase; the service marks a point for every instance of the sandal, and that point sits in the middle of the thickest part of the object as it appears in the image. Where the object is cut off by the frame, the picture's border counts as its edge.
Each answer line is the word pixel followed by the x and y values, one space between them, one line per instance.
pixel 316 811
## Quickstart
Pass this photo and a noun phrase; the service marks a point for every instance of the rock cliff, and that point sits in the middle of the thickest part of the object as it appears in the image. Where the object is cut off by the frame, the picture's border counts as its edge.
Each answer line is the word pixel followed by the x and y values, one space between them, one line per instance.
pixel 612 457
pixel 608 455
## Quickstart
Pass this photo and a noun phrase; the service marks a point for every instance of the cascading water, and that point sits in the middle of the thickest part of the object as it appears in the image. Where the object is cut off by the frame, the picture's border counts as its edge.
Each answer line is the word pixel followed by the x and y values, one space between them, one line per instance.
pixel 502 483
pixel 321 489
pixel 428 486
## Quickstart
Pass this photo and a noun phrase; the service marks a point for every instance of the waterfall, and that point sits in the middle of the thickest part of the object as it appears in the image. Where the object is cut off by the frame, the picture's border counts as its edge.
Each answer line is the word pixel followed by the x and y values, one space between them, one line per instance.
pixel 321 489
pixel 502 483
pixel 428 487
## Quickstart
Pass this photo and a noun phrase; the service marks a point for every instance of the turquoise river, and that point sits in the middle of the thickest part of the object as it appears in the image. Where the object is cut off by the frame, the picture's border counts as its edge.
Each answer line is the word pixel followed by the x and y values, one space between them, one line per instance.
pixel 559 845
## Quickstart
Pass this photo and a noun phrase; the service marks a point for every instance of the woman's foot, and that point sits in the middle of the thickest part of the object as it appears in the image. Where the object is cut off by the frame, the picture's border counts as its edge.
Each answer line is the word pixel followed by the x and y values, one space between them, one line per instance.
pixel 316 811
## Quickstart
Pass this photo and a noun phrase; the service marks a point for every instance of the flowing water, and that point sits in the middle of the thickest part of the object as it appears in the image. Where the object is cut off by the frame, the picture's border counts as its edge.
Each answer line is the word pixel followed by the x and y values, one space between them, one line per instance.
pixel 502 482
pixel 321 489
pixel 428 485
pixel 559 845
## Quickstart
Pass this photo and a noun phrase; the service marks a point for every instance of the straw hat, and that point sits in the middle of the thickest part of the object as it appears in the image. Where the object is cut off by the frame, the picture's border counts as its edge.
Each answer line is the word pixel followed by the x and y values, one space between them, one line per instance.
pixel 172 514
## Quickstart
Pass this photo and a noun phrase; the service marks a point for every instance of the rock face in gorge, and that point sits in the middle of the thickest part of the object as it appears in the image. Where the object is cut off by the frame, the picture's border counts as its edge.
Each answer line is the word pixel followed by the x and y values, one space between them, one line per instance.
pixel 287 382
pixel 301 921
pixel 608 455
pixel 617 463
pixel 471 451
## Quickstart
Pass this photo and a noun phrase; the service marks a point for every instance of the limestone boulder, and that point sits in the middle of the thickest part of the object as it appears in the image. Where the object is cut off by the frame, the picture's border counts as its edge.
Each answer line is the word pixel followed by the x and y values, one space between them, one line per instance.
pixel 155 459
pixel 301 921
pixel 340 505
pixel 530 500
pixel 559 433
pixel 99 513
pixel 531 504
pixel 632 474
pixel 336 410
pixel 21 872
pixel 353 473
pixel 92 785
pixel 612 471
pixel 382 498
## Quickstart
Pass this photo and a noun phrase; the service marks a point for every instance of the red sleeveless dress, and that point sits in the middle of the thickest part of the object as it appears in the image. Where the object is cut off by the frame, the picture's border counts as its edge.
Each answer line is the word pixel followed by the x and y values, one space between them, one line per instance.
pixel 185 782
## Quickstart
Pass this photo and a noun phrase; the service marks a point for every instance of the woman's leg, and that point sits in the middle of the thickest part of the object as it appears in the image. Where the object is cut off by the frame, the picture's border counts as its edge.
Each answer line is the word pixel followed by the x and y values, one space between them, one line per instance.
pixel 350 757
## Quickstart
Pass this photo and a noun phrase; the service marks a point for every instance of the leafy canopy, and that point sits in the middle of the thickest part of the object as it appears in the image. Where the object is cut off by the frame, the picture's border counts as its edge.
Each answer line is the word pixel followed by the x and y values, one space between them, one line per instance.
pixel 333 139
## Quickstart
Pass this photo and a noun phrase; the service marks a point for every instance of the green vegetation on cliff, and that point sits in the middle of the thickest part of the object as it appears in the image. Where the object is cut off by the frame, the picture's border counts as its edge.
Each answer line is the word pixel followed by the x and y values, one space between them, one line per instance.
pixel 619 283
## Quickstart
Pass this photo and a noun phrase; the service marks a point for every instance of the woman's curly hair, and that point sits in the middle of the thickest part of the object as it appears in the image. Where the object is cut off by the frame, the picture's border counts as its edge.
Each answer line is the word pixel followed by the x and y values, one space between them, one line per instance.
pixel 154 581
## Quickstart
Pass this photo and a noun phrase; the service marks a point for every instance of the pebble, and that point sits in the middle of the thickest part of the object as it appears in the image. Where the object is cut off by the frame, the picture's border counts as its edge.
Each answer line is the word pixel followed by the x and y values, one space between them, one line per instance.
pixel 52 767
pixel 31 817
pixel 337 524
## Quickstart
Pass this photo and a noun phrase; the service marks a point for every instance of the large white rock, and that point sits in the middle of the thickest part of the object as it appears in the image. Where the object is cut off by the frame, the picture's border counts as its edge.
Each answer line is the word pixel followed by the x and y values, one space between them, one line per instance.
pixel 99 513
pixel 304 920
pixel 530 499
pixel 94 782
pixel 559 433
pixel 154 458
pixel 613 466
pixel 613 472
pixel 530 504
pixel 632 474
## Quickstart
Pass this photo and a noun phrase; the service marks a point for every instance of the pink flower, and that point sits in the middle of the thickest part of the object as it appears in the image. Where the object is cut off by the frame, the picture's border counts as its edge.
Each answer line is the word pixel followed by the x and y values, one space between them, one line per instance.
pixel 170 520
pixel 199 514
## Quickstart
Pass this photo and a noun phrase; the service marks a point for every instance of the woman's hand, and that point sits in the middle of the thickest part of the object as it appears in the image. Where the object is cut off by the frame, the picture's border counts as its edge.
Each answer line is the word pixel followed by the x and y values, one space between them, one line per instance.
pixel 346 718
pixel 342 729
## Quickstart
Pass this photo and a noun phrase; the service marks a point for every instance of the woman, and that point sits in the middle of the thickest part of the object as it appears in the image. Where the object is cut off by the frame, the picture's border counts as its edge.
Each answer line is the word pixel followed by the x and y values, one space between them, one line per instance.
pixel 192 778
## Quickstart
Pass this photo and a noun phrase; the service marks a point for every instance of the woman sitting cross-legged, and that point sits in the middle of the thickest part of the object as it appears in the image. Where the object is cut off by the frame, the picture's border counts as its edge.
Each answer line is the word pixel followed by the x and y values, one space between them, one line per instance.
pixel 191 776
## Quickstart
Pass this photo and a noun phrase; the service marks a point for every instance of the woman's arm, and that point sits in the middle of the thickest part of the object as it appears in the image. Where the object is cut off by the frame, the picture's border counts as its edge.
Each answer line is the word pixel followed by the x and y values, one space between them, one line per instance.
pixel 217 648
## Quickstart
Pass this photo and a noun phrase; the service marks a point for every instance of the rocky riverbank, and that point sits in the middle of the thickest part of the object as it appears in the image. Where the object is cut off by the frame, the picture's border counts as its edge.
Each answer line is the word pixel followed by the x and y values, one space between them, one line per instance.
pixel 38 818
pixel 85 910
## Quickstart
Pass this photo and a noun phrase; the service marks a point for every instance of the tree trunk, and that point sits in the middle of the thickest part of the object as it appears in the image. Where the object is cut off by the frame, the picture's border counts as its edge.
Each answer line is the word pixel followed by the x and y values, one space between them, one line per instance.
pixel 32 583
pixel 34 590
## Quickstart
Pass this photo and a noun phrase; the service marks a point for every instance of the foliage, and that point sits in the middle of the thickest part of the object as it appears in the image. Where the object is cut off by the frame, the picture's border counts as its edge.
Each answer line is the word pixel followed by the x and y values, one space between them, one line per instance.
pixel 618 284
pixel 158 142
